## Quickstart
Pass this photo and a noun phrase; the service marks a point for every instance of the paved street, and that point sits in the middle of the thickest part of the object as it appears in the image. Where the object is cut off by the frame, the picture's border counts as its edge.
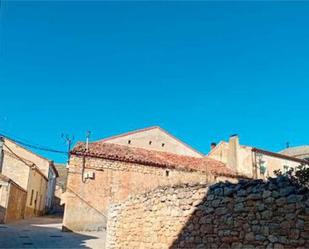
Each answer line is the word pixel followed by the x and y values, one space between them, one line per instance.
pixel 45 232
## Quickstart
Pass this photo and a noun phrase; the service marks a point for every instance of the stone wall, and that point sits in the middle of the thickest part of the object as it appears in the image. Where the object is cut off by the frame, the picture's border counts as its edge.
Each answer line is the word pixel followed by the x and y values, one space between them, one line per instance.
pixel 16 203
pixel 12 201
pixel 250 214
pixel 113 181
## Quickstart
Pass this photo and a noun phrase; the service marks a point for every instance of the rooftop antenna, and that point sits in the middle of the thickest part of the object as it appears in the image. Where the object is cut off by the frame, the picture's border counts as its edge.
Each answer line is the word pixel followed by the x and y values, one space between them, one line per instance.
pixel 68 140
pixel 87 140
pixel 287 144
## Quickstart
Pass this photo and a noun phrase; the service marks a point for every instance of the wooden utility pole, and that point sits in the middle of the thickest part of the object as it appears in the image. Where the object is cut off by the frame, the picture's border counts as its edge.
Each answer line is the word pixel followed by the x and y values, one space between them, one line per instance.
pixel 69 141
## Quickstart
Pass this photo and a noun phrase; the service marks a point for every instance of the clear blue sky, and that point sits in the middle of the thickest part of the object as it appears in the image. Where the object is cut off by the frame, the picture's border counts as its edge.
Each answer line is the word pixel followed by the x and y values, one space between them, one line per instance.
pixel 202 71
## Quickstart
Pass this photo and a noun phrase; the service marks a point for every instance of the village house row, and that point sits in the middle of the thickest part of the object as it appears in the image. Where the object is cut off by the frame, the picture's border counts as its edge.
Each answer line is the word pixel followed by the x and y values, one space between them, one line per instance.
pixel 27 182
pixel 108 171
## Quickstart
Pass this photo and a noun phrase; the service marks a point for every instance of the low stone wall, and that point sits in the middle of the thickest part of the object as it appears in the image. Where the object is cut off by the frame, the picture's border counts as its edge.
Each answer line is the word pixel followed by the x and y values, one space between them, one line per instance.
pixel 16 203
pixel 250 214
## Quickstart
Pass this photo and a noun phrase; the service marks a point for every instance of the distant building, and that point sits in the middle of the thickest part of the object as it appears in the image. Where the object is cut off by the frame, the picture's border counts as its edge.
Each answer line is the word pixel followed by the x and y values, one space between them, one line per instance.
pixel 61 185
pixel 12 200
pixel 301 152
pixel 153 138
pixel 30 172
pixel 251 161
pixel 108 171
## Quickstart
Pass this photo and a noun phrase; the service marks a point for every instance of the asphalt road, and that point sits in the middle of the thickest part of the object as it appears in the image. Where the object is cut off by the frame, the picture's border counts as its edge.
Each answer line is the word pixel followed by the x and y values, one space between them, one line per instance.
pixel 45 232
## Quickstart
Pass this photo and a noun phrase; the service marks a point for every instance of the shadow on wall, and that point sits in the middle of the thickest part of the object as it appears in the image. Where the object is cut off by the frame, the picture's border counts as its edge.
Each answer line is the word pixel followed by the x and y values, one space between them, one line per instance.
pixel 2 214
pixel 250 214
pixel 41 233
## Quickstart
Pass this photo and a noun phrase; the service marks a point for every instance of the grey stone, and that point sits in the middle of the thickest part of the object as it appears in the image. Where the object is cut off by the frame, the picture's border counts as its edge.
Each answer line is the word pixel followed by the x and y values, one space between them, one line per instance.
pixel 286 191
pixel 272 238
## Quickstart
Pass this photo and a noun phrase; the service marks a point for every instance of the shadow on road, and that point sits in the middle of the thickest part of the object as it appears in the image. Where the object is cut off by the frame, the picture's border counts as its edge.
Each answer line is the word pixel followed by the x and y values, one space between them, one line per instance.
pixel 45 232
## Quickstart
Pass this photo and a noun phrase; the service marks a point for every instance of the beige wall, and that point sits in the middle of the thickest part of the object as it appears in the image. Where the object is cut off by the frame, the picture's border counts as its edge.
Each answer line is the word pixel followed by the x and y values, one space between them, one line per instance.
pixel 246 159
pixel 4 195
pixel 19 169
pixel 86 202
pixel 15 169
pixel 16 204
pixel 37 186
pixel 157 137
pixel 12 202
pixel 40 162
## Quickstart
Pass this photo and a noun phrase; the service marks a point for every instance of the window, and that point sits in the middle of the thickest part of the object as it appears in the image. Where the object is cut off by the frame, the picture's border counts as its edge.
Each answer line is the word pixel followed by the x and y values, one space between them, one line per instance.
pixel 167 173
pixel 31 197
pixel 36 198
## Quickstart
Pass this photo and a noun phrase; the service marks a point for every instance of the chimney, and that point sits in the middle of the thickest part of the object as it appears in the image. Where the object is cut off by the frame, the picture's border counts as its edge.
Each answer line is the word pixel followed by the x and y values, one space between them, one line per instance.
pixel 233 151
pixel 212 146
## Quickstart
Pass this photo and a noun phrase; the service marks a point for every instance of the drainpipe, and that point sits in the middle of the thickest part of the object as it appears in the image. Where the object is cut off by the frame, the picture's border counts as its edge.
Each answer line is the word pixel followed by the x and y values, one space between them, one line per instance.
pixel 1 153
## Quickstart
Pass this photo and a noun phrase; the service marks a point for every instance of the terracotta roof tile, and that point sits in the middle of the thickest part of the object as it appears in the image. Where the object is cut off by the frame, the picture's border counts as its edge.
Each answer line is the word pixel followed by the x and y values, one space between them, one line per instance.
pixel 151 157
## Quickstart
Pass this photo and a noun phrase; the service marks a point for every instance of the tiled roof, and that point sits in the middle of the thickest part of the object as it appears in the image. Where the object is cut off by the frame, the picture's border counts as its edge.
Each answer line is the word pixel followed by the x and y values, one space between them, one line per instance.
pixel 152 158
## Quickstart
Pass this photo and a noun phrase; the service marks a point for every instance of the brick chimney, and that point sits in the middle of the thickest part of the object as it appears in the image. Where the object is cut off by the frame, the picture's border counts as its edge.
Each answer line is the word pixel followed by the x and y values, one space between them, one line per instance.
pixel 233 152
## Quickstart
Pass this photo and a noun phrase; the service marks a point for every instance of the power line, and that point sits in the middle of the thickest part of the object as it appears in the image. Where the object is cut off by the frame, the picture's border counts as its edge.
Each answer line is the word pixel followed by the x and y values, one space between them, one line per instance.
pixel 30 145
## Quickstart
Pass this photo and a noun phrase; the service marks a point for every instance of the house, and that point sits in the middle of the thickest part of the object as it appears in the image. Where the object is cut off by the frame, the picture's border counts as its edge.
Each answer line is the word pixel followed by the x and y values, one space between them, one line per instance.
pixel 31 173
pixel 12 200
pixel 61 185
pixel 110 170
pixel 250 161
pixel 154 138
pixel 301 152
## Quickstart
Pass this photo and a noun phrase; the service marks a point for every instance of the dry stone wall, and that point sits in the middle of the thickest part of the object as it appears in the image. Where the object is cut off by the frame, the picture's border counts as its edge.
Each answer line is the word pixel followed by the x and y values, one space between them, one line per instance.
pixel 249 214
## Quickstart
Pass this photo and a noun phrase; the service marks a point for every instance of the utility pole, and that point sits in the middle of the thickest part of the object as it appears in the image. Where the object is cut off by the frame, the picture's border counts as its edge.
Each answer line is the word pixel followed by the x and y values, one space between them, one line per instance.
pixel 69 141
pixel 1 153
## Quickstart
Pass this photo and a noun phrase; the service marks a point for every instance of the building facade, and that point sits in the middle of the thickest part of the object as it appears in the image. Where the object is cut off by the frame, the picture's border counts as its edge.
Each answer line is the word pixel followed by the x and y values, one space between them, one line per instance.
pixel 301 152
pixel 61 184
pixel 102 173
pixel 12 200
pixel 251 161
pixel 30 172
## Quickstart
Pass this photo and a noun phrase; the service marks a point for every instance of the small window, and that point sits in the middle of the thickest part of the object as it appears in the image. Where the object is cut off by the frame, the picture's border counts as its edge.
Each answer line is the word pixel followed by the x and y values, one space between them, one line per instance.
pixel 31 197
pixel 150 142
pixel 167 173
pixel 162 144
pixel 36 198
pixel 129 141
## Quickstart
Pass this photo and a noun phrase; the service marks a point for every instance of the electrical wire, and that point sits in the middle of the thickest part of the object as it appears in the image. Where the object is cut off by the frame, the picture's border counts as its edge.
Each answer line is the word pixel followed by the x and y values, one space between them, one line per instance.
pixel 18 157
pixel 30 145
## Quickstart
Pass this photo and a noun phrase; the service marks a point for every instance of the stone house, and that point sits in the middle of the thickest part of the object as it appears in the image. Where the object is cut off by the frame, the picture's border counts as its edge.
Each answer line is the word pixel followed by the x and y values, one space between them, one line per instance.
pixel 12 200
pixel 250 161
pixel 30 172
pixel 108 171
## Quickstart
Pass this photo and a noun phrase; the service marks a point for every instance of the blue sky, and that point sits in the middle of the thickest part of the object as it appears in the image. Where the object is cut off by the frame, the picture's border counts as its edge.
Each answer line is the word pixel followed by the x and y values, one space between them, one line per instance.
pixel 202 70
